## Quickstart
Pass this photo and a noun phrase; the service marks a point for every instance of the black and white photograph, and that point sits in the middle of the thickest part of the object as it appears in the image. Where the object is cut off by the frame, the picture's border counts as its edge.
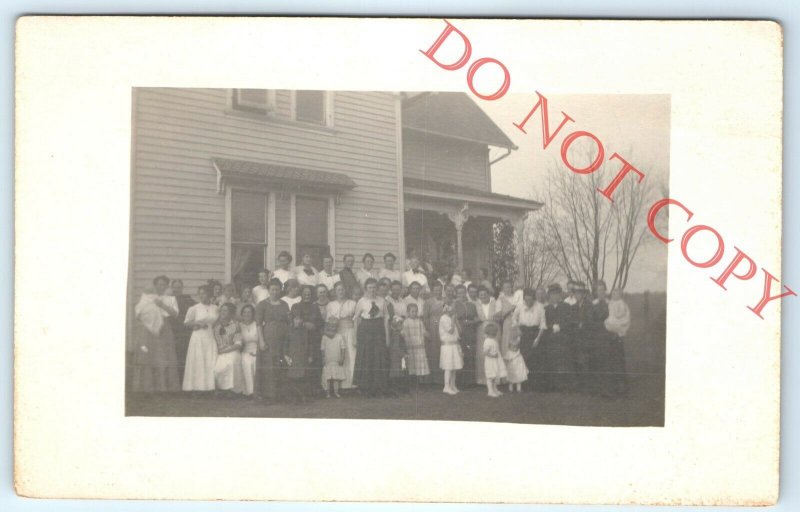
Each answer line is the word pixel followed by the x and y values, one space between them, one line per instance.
pixel 395 255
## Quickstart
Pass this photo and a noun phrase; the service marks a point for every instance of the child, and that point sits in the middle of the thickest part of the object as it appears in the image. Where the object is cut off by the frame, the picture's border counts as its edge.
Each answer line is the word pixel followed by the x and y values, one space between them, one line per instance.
pixel 333 356
pixel 619 316
pixel 493 363
pixel 516 369
pixel 414 335
pixel 450 357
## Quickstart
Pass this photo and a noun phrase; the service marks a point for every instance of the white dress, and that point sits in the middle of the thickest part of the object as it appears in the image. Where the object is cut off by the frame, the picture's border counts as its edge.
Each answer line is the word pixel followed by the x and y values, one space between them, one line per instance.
pixel 450 357
pixel 283 275
pixel 493 364
pixel 329 280
pixel 306 279
pixel 249 351
pixel 344 312
pixel 516 369
pixel 260 293
pixel 201 356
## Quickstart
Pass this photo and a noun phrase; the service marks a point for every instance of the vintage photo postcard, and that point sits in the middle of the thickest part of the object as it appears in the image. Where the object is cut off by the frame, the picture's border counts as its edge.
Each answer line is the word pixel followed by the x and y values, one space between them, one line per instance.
pixel 439 260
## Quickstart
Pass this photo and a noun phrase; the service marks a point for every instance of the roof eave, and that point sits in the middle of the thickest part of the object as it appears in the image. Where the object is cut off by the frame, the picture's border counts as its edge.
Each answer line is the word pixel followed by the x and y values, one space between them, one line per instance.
pixel 500 201
pixel 510 146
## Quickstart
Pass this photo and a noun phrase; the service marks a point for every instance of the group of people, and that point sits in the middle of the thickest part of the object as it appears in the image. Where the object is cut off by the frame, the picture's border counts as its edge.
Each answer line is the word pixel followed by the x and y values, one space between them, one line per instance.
pixel 300 332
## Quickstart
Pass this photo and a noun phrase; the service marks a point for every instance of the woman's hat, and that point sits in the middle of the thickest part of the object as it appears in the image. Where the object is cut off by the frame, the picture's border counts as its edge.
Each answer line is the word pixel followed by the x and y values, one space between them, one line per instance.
pixel 554 288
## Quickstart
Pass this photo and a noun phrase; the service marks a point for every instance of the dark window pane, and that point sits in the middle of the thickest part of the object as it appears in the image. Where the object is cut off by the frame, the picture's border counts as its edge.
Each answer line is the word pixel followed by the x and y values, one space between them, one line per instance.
pixel 312 221
pixel 317 253
pixel 248 217
pixel 252 98
pixel 310 106
pixel 246 262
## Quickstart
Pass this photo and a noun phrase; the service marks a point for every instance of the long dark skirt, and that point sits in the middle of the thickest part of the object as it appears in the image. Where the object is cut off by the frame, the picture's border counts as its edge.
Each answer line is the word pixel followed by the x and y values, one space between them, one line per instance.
pixel 298 352
pixel 397 351
pixel 371 371
pixel 182 336
pixel 466 377
pixel 613 380
pixel 155 369
pixel 533 356
pixel 559 362
pixel 267 368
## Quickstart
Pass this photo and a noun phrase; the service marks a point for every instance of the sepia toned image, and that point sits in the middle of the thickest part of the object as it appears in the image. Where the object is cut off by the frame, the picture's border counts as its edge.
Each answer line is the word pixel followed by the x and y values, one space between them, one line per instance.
pixel 392 255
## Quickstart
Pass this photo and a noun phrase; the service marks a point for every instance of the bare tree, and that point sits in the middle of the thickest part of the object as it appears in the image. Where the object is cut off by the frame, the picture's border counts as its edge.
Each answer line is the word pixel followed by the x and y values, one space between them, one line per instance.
pixel 587 234
pixel 538 263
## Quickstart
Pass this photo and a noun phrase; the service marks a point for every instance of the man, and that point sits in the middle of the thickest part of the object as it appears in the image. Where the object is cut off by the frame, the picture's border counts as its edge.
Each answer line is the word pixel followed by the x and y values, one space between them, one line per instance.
pixel 388 271
pixel 570 299
pixel 327 275
pixel 283 273
pixel 347 276
pixel 415 275
pixel 467 321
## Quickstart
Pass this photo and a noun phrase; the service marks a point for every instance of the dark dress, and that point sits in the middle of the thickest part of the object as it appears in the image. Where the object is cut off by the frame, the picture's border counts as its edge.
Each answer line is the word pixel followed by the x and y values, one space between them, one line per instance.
pixel 397 348
pixel 349 280
pixel 608 363
pixel 181 332
pixel 303 340
pixel 467 320
pixel 371 373
pixel 557 349
pixel 585 346
pixel 274 322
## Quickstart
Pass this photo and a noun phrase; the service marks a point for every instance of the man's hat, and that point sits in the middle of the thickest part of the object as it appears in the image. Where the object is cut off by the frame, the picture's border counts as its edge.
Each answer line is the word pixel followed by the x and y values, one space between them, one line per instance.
pixel 554 288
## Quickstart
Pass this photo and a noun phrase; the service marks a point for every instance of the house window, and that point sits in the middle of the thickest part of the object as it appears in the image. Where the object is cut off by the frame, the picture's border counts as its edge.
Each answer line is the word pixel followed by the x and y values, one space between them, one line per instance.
pixel 310 107
pixel 248 236
pixel 312 228
pixel 261 101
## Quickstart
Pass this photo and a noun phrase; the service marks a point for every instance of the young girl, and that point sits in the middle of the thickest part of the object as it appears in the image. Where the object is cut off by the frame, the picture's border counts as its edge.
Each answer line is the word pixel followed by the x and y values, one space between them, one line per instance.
pixel 516 370
pixel 252 340
pixel 201 356
pixel 333 356
pixel 493 364
pixel 228 374
pixel 414 335
pixel 450 357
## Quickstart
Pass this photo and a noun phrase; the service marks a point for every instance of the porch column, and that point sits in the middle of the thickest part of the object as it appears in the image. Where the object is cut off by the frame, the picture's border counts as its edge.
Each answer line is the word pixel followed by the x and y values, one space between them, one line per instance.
pixel 458 218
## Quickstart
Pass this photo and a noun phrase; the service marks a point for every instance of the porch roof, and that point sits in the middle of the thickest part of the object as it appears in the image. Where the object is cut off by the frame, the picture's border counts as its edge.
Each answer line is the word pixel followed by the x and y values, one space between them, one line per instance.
pixel 281 175
pixel 447 191
pixel 455 115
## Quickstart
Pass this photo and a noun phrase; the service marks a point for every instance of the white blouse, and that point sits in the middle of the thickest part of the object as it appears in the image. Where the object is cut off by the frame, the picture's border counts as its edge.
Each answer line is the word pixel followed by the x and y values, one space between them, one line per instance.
pixel 529 316
pixel 327 279
pixel 283 275
pixel 205 314
pixel 291 301
pixel 305 279
pixel 364 306
pixel 340 310
pixel 260 293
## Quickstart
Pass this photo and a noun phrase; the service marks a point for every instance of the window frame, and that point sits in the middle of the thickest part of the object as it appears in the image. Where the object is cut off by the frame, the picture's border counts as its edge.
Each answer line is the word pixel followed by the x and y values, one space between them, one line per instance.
pixel 327 109
pixel 269 225
pixel 267 109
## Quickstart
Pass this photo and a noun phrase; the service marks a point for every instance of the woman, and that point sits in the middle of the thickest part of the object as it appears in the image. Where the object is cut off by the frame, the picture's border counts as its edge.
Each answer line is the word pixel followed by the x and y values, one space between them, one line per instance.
pixel 216 291
pixel 228 375
pixel 253 341
pixel 486 312
pixel 328 276
pixel 432 313
pixel 261 290
pixel 155 363
pixel 272 317
pixel 371 373
pixel 367 271
pixel 306 274
pixel 503 315
pixel 559 374
pixel 610 363
pixel 185 301
pixel 322 298
pixel 529 319
pixel 388 271
pixel 343 309
pixel 202 354
pixel 228 295
pixel 245 299
pixel 305 328
pixel 396 309
pixel 291 289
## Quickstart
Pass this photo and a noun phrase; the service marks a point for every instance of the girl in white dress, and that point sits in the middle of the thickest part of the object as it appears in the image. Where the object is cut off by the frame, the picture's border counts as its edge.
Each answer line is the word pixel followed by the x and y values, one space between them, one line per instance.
pixel 516 370
pixel 493 364
pixel 343 310
pixel 228 375
pixel 261 290
pixel 252 340
pixel 202 353
pixel 450 357
pixel 332 346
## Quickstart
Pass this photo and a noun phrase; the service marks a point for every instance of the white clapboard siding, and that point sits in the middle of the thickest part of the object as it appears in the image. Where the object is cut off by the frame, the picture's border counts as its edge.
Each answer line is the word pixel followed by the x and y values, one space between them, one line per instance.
pixel 445 160
pixel 178 216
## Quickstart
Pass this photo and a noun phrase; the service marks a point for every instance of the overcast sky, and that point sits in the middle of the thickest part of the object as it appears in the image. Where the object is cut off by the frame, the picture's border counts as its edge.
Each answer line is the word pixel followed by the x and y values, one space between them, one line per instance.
pixel 635 126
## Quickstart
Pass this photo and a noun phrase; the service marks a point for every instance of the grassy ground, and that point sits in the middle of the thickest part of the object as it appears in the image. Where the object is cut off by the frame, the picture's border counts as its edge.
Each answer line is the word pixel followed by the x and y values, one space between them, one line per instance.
pixel 643 405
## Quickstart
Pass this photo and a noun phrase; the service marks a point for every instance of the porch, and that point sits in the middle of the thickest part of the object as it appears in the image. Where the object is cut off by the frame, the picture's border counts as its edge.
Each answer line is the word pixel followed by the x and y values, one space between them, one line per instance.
pixel 452 224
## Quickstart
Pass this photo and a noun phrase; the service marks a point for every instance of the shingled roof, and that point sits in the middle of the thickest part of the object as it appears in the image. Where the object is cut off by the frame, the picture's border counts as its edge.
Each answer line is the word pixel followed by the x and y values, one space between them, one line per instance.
pixel 282 175
pixel 452 114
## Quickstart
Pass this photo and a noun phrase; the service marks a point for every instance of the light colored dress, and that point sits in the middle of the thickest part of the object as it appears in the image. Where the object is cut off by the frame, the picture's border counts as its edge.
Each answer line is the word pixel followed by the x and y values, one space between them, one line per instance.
pixel 392 275
pixel 283 275
pixel 250 338
pixel 331 352
pixel 414 337
pixel 260 293
pixel 363 274
pixel 493 364
pixel 228 375
pixel 506 306
pixel 201 357
pixel 327 279
pixel 450 356
pixel 344 312
pixel 516 369
pixel 486 315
